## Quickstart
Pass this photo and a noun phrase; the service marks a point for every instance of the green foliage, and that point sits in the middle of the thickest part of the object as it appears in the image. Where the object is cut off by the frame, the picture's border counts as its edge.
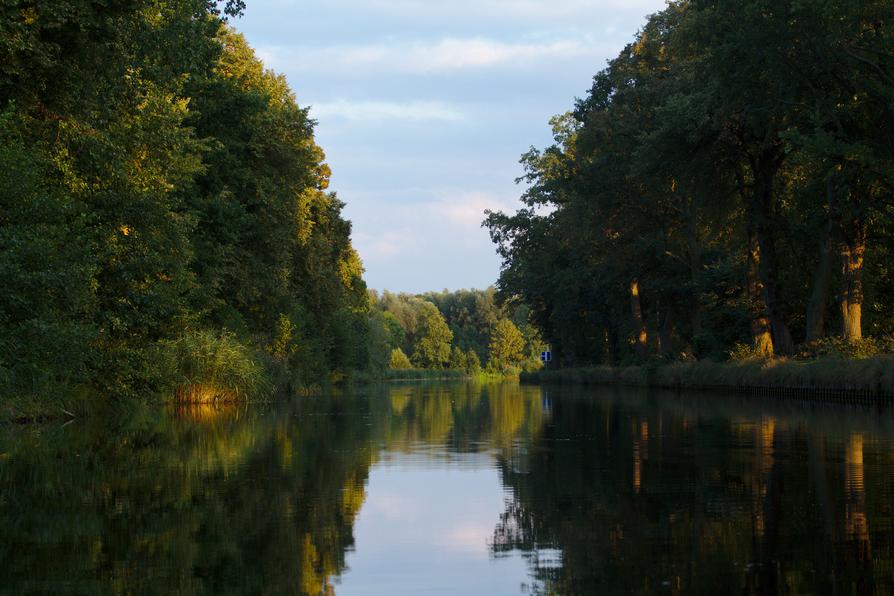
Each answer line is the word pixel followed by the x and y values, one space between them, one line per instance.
pixel 507 346
pixel 457 358
pixel 156 177
pixel 424 374
pixel 869 375
pixel 283 344
pixel 432 349
pixel 397 336
pixel 835 347
pixel 379 344
pixel 472 363
pixel 725 181
pixel 746 353
pixel 212 367
pixel 471 316
pixel 46 299
pixel 399 360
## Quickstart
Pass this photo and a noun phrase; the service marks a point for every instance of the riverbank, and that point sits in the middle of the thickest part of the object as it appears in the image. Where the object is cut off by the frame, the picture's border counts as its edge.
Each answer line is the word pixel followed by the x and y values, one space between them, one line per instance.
pixel 422 374
pixel 869 380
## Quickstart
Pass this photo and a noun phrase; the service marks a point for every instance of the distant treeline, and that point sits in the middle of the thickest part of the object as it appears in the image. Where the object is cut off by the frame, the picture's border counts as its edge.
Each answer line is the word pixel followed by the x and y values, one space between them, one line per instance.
pixel 164 219
pixel 725 188
pixel 464 330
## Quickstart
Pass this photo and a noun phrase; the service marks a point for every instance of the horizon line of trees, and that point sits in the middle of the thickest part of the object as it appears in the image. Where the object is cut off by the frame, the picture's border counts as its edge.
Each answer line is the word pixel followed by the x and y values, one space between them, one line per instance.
pixel 724 188
pixel 462 330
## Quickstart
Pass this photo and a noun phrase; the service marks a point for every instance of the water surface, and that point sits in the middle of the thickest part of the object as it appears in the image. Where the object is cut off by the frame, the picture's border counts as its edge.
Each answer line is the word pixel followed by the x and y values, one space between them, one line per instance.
pixel 454 488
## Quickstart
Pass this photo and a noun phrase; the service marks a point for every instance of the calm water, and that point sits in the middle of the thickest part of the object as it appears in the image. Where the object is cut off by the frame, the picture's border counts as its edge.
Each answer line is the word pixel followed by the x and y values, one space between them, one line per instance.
pixel 467 489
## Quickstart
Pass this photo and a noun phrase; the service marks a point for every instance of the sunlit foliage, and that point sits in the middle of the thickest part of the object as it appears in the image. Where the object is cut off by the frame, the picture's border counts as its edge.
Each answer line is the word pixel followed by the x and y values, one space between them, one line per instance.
pixel 159 183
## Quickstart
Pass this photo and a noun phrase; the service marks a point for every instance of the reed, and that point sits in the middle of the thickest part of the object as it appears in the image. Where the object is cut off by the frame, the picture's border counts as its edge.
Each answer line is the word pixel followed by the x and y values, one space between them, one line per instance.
pixel 212 367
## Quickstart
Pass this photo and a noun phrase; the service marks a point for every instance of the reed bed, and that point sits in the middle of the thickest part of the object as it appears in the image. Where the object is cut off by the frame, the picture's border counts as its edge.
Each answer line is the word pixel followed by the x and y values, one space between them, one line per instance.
pixel 214 367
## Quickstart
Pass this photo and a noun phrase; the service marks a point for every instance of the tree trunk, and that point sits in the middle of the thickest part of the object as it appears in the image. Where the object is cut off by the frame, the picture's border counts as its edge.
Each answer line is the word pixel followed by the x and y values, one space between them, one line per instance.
pixel 852 251
pixel 641 336
pixel 822 277
pixel 607 347
pixel 761 339
pixel 616 343
pixel 760 213
pixel 665 330
pixel 695 267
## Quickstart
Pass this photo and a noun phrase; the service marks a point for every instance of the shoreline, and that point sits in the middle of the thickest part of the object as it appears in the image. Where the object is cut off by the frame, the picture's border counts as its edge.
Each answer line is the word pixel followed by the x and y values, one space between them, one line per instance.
pixel 863 382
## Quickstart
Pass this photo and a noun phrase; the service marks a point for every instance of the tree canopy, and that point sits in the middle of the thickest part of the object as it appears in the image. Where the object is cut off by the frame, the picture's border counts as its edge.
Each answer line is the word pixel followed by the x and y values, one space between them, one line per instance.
pixel 726 181
pixel 157 182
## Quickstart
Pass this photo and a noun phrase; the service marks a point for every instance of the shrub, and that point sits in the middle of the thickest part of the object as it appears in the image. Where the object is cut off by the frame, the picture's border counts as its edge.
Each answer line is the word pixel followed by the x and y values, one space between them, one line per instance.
pixel 399 360
pixel 836 347
pixel 746 353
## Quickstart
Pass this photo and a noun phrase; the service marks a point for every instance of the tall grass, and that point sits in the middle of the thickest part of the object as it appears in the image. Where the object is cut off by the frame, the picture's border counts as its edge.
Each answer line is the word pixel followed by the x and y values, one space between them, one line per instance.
pixel 874 374
pixel 210 367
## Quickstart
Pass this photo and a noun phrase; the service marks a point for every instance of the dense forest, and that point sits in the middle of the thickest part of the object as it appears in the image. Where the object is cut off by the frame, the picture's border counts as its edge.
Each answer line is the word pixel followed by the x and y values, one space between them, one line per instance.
pixel 167 228
pixel 165 223
pixel 724 189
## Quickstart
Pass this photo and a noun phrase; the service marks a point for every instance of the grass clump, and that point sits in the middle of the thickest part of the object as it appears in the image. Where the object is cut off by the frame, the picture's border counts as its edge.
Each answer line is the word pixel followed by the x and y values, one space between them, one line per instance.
pixel 210 367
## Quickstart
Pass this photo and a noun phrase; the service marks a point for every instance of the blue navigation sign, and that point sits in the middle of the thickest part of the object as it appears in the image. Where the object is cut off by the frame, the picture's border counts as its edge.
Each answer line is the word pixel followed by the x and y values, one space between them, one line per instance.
pixel 546 356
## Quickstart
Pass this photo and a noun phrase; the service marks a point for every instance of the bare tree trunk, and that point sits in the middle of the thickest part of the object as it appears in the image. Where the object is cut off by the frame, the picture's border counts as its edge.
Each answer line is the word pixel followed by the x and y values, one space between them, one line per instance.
pixel 853 250
pixel 760 212
pixel 616 341
pixel 641 336
pixel 761 338
pixel 695 266
pixel 665 329
pixel 822 277
pixel 608 347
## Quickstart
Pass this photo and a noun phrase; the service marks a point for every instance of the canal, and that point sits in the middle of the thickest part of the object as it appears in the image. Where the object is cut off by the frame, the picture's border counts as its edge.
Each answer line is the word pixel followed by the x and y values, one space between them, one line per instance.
pixel 454 488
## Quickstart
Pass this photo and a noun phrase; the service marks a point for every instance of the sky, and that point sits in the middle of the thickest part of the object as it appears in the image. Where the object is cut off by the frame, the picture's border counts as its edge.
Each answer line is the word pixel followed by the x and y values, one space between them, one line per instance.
pixel 423 109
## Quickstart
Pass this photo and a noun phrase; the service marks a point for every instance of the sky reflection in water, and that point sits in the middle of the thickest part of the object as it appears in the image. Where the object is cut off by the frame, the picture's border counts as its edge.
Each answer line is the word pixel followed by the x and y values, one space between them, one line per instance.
pixel 494 489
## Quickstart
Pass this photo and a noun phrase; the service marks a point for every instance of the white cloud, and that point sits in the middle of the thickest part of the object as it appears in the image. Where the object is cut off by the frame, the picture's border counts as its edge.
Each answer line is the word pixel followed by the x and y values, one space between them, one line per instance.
pixel 469 538
pixel 538 11
pixel 552 11
pixel 394 506
pixel 467 208
pixel 446 55
pixel 384 245
pixel 433 243
pixel 367 111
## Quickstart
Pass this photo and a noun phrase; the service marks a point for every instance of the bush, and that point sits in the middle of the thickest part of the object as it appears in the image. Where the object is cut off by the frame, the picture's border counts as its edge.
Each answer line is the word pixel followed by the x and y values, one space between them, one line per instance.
pixel 213 367
pixel 746 353
pixel 836 347
pixel 399 360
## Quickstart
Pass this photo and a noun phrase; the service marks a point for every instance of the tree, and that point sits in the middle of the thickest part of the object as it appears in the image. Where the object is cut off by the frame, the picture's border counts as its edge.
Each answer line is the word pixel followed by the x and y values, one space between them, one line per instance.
pixel 507 346
pixel 473 363
pixel 399 360
pixel 433 344
pixel 457 358
pixel 181 181
pixel 680 207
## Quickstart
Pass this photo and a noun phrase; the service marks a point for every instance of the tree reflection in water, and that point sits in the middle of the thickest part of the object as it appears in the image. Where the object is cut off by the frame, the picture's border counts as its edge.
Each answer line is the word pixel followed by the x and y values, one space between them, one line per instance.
pixel 728 496
pixel 204 499
pixel 605 492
